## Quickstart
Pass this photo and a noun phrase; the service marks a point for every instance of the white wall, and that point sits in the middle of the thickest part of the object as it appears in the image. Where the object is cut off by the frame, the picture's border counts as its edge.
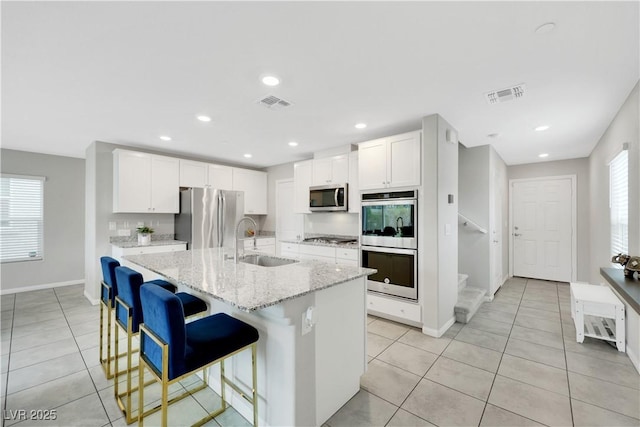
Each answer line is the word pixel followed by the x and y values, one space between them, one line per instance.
pixel 438 251
pixel 580 168
pixel 501 186
pixel 623 129
pixel 63 260
pixel 474 202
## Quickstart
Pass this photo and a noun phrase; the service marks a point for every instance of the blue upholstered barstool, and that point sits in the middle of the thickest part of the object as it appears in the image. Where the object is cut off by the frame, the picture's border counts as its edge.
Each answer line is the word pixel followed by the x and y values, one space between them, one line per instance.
pixel 108 293
pixel 129 316
pixel 172 349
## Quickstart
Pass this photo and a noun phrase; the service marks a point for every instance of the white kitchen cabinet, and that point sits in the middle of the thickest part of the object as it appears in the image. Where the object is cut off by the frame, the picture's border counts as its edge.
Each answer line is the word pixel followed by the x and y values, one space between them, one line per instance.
pixel 289 250
pixel 390 162
pixel 220 177
pixel 254 185
pixel 302 180
pixel 321 253
pixel 354 186
pixel 347 256
pixel 145 182
pixel 331 170
pixel 263 244
pixel 193 174
pixel 394 309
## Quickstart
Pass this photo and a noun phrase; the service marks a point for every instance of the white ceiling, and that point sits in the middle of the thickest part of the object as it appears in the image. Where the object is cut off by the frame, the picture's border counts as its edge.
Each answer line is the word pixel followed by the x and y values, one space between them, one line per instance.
pixel 128 72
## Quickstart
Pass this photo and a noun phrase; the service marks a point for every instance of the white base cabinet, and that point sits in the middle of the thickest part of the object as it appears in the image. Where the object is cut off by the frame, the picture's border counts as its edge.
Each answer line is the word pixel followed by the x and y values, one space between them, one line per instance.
pixel 330 254
pixel 394 309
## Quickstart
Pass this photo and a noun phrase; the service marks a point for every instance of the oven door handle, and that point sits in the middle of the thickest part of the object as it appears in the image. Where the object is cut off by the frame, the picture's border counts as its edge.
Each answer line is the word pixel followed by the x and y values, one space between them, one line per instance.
pixel 389 250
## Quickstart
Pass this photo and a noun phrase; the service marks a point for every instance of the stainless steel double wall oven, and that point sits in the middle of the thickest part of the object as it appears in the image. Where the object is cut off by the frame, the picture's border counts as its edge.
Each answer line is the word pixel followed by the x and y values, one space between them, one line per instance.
pixel 389 242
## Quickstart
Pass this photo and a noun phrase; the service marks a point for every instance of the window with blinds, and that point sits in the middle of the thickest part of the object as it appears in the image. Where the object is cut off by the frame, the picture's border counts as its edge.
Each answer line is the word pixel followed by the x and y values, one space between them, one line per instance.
pixel 21 218
pixel 619 203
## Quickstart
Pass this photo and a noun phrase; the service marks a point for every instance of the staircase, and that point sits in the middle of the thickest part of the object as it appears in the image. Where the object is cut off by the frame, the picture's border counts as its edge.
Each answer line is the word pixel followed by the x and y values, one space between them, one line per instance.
pixel 469 300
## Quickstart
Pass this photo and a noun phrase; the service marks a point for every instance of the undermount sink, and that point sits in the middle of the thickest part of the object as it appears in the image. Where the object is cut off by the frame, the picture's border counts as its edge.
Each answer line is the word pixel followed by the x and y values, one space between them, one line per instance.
pixel 266 261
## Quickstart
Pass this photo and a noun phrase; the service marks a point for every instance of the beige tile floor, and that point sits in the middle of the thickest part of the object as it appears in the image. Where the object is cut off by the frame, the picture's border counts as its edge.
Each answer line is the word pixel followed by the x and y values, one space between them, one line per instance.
pixel 515 363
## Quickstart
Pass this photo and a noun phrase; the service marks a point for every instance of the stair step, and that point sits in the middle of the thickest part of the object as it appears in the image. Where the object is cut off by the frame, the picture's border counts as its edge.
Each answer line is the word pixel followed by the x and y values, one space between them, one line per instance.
pixel 469 300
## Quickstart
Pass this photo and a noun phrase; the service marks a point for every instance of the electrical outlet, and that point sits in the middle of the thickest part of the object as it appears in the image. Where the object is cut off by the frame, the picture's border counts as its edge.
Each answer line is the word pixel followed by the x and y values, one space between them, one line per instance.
pixel 125 232
pixel 112 226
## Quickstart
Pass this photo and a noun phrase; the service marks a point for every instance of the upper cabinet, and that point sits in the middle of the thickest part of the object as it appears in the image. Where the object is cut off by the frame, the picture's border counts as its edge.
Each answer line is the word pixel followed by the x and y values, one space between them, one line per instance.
pixel 220 177
pixel 390 162
pixel 193 174
pixel 302 180
pixel 145 182
pixel 331 170
pixel 254 185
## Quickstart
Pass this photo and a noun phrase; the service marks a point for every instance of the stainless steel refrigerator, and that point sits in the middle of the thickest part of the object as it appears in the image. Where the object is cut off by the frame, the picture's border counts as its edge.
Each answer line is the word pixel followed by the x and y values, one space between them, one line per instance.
pixel 208 217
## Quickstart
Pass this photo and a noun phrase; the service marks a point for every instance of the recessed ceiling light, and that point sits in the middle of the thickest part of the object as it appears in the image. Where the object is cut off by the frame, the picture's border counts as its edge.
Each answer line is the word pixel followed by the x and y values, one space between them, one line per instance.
pixel 361 125
pixel 493 135
pixel 543 155
pixel 541 128
pixel 293 144
pixel 545 28
pixel 248 156
pixel 165 138
pixel 271 80
pixel 204 118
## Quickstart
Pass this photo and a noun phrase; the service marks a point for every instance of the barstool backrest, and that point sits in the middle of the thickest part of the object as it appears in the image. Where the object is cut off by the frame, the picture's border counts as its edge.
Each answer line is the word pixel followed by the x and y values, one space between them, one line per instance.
pixel 129 283
pixel 164 316
pixel 109 278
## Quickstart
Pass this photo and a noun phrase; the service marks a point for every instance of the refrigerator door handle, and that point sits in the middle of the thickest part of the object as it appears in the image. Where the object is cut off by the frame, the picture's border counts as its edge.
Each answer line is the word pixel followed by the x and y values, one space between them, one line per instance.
pixel 221 208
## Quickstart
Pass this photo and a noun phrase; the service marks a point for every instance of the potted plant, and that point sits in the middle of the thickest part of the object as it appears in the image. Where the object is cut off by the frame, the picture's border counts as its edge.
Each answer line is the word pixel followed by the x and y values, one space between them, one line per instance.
pixel 144 235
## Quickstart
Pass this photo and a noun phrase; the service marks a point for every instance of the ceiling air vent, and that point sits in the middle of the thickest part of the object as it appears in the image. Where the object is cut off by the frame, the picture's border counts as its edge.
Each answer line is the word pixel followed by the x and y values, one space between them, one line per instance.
pixel 504 95
pixel 274 103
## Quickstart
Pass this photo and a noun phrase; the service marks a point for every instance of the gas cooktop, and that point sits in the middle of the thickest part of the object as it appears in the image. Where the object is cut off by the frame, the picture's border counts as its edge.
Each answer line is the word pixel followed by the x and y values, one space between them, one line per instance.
pixel 333 240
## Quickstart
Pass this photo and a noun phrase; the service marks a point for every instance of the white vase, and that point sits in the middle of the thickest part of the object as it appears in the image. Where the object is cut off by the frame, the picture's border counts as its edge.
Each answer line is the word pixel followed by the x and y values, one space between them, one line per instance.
pixel 144 239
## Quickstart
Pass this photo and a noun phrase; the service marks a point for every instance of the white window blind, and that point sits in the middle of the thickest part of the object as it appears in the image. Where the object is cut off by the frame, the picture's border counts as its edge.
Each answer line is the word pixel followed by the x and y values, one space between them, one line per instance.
pixel 619 203
pixel 21 218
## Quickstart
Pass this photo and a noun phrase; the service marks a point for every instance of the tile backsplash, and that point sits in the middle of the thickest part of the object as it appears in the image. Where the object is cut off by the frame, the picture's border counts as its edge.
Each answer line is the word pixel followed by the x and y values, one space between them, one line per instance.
pixel 332 223
pixel 124 225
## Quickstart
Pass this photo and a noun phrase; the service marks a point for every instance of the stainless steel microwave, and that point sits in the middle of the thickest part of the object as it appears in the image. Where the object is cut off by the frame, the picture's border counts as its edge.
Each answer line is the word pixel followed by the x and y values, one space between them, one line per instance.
pixel 329 198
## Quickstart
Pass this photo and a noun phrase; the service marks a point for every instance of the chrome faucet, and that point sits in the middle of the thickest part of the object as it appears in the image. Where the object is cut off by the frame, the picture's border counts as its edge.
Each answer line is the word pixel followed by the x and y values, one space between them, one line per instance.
pixel 255 228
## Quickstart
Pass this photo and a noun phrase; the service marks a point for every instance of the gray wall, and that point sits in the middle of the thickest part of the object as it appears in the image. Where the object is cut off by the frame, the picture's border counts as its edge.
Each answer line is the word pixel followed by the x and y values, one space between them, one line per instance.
pixel 63 221
pixel 438 252
pixel 580 168
pixel 474 257
pixel 623 128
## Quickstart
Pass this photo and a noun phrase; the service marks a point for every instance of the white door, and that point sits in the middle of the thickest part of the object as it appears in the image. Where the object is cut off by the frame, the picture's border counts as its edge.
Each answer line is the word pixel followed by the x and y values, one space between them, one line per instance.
pixel 542 229
pixel 289 225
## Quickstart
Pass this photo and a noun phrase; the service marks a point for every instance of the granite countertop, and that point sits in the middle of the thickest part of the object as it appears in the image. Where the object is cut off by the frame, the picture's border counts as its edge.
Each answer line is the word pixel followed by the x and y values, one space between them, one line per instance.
pixel 627 287
pixel 134 243
pixel 355 245
pixel 245 286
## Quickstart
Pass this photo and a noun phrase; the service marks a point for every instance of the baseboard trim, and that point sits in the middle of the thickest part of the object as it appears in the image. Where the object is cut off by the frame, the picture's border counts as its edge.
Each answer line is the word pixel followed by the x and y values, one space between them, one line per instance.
pixel 93 301
pixel 40 287
pixel 634 358
pixel 439 332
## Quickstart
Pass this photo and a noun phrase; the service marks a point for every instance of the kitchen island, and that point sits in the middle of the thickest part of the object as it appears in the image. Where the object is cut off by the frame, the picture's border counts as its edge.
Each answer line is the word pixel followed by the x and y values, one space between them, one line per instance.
pixel 311 317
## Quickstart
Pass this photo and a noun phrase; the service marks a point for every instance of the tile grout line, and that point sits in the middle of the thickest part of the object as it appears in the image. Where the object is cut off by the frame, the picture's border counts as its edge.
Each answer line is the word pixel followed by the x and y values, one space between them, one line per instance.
pixel 6 380
pixel 95 387
pixel 566 363
pixel 486 403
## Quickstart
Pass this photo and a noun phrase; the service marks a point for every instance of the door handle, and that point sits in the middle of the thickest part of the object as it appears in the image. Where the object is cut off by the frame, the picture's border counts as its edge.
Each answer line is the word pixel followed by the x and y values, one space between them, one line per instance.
pixel 517 234
pixel 335 196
